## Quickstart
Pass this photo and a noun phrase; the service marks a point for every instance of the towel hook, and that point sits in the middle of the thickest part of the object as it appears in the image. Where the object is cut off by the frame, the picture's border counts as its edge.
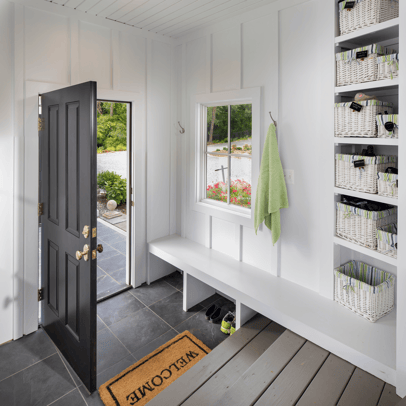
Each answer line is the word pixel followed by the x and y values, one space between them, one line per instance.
pixel 273 119
pixel 182 130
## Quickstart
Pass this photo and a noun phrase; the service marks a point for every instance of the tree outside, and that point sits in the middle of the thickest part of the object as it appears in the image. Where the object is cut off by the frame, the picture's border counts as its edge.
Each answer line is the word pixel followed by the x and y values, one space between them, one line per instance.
pixel 111 127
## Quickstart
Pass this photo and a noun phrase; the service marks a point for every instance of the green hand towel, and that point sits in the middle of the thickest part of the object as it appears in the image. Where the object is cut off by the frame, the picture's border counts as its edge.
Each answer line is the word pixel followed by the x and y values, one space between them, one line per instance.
pixel 271 190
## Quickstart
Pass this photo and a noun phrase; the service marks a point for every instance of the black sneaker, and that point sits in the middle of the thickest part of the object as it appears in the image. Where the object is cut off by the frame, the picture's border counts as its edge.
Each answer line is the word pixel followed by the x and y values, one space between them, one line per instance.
pixel 216 315
pixel 210 311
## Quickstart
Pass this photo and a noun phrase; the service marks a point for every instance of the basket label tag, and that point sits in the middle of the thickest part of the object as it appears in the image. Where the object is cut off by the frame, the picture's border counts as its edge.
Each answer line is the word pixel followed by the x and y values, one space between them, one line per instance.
pixel 362 54
pixel 389 126
pixel 356 107
pixel 349 5
pixel 359 164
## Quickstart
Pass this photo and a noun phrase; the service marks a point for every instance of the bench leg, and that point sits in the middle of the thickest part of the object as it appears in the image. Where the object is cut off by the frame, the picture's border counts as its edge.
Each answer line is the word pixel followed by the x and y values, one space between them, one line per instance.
pixel 194 291
pixel 244 314
pixel 158 268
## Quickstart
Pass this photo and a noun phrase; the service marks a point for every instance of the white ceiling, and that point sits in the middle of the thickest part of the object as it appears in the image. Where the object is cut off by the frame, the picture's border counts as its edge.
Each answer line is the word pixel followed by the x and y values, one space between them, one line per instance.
pixel 172 18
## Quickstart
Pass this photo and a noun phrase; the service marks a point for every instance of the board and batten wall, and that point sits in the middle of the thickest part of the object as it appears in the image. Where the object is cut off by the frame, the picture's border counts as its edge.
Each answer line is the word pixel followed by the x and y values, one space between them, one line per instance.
pixel 278 48
pixel 6 169
pixel 43 42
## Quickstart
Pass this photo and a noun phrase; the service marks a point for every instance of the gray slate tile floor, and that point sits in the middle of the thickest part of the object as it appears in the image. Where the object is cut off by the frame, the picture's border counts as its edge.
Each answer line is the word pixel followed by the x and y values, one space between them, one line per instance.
pixel 130 326
pixel 111 263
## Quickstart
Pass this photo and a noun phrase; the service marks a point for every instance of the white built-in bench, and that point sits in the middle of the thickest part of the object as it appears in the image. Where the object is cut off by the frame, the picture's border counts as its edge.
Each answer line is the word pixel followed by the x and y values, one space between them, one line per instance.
pixel 370 346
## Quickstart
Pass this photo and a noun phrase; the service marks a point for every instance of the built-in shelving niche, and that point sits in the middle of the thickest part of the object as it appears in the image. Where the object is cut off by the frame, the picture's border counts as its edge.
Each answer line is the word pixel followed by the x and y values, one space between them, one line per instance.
pixel 386 34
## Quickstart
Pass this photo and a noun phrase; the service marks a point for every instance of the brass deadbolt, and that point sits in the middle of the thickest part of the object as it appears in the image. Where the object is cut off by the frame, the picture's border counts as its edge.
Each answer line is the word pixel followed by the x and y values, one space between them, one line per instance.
pixel 83 254
pixel 86 231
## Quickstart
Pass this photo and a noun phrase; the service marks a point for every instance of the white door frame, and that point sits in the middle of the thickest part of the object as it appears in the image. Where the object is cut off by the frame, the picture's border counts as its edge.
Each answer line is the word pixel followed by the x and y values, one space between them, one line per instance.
pixel 26 199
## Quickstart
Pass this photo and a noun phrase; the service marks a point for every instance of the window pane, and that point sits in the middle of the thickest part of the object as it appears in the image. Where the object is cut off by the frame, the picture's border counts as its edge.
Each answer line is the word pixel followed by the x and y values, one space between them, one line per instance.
pixel 241 128
pixel 240 189
pixel 217 177
pixel 217 127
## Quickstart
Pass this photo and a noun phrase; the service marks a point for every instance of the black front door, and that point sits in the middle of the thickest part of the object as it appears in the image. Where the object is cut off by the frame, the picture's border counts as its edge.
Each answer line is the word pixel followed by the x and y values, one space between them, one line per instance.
pixel 68 237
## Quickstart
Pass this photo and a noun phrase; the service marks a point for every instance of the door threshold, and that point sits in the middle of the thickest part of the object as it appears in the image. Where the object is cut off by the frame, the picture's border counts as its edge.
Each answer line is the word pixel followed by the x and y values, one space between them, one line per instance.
pixel 109 296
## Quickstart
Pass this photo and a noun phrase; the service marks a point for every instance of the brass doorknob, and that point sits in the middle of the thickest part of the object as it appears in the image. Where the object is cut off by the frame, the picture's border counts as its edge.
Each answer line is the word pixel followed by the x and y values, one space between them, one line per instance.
pixel 83 254
pixel 99 248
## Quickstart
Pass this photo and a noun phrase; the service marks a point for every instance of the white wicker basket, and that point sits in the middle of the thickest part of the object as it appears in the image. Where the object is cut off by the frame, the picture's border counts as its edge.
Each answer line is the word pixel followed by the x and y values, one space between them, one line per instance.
pixel 366 13
pixel 359 226
pixel 387 184
pixel 381 120
pixel 361 179
pixel 365 290
pixel 350 123
pixel 388 240
pixel 351 70
pixel 388 66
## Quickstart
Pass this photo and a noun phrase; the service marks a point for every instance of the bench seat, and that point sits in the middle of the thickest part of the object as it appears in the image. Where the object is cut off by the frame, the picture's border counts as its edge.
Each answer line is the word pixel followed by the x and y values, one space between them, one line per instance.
pixel 370 346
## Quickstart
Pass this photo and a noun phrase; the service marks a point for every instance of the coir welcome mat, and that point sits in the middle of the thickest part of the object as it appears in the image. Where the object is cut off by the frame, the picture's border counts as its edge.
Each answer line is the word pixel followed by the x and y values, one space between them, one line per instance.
pixel 141 382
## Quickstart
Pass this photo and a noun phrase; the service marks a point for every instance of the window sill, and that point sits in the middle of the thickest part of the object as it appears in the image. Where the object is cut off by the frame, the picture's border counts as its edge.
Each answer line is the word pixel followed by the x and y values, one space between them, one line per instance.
pixel 233 214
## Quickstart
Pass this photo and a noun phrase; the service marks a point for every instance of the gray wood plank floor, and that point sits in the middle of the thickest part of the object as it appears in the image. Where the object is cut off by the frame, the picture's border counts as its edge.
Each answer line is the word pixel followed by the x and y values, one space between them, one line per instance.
pixel 263 364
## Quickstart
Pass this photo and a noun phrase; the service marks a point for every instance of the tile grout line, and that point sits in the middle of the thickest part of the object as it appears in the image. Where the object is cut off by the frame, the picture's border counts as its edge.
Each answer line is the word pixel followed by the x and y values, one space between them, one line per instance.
pixel 129 352
pixel 35 363
pixel 106 259
pixel 49 404
pixel 68 370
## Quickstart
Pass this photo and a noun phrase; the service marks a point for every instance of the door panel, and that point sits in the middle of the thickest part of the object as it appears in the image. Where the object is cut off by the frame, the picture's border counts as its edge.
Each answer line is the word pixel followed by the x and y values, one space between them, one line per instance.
pixel 68 180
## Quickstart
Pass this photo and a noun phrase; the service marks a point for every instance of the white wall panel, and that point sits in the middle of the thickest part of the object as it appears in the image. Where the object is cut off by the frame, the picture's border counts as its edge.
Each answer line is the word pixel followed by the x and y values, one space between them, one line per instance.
pixel 158 140
pixel 196 227
pixel 223 237
pixel 47 42
pixel 196 66
pixel 6 172
pixel 256 249
pixel 259 50
pixel 226 50
pixel 299 29
pixel 132 62
pixel 181 138
pixel 95 54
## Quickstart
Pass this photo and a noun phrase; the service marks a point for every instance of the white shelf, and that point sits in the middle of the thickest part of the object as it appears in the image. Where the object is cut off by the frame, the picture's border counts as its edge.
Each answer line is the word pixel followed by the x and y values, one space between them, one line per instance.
pixel 379 85
pixel 366 196
pixel 366 141
pixel 365 251
pixel 370 35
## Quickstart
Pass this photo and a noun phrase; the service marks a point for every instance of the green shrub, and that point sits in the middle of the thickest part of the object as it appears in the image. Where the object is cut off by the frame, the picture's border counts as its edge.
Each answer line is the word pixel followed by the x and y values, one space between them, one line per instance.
pixel 116 144
pixel 117 190
pixel 239 149
pixel 106 176
pixel 225 149
pixel 218 150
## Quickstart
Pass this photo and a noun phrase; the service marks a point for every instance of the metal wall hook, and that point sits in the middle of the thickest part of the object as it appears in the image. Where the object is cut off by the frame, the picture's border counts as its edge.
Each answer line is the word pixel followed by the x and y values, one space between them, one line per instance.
pixel 182 130
pixel 273 119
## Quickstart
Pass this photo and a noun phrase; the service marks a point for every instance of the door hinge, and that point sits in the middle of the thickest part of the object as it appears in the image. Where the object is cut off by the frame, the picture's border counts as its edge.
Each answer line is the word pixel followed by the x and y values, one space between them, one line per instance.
pixel 132 204
pixel 40 209
pixel 40 124
pixel 40 294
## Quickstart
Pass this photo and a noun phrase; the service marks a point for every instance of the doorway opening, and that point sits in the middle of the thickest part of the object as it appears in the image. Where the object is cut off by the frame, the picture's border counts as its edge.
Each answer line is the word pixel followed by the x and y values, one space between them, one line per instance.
pixel 113 197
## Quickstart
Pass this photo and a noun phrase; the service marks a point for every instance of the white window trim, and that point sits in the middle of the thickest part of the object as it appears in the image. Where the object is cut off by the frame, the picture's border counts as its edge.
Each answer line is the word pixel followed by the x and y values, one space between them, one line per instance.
pixel 235 214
